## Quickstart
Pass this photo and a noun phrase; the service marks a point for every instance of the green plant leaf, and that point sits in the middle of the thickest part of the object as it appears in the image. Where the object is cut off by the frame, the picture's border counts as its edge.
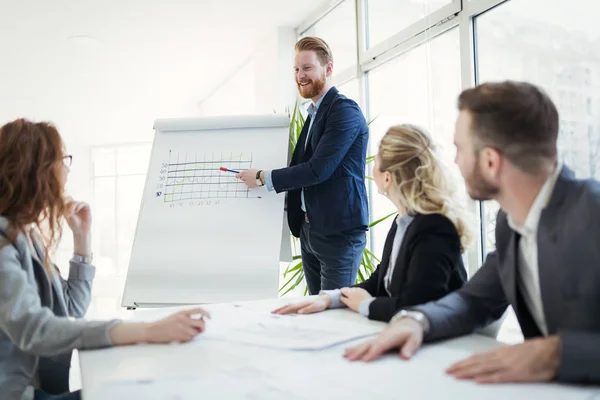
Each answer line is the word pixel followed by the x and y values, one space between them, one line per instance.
pixel 372 224
pixel 294 268
pixel 300 278
pixel 360 277
pixel 295 109
pixel 370 258
pixel 371 255
pixel 369 178
pixel 291 279
pixel 369 265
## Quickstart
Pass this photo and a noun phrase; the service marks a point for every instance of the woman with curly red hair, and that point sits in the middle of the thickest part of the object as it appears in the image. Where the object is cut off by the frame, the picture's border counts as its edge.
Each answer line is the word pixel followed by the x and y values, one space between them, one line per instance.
pixel 37 334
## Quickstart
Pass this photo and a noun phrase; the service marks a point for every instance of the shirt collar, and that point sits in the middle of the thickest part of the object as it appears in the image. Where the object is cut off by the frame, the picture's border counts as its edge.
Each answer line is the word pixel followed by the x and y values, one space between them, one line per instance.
pixel 403 220
pixel 541 201
pixel 314 107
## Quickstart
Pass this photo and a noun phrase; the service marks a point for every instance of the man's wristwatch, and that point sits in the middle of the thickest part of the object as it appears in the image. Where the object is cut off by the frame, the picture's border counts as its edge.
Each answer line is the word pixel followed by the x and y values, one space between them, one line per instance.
pixel 416 315
pixel 258 181
pixel 78 258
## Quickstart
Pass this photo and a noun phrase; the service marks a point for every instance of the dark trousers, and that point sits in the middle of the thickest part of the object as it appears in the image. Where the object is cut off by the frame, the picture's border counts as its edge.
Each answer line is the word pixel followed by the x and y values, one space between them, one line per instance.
pixel 39 395
pixel 330 261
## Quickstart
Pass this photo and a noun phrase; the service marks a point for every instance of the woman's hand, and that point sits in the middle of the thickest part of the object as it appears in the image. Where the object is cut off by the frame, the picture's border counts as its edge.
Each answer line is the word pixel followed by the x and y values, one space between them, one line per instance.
pixel 352 297
pixel 315 305
pixel 79 217
pixel 179 327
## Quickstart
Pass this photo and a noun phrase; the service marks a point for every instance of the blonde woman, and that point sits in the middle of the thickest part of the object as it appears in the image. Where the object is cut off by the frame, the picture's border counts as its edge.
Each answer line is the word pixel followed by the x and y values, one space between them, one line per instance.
pixel 422 255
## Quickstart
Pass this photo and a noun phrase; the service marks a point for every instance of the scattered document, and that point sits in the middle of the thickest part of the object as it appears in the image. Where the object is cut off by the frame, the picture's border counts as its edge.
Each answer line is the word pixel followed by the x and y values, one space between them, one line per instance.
pixel 291 332
pixel 247 353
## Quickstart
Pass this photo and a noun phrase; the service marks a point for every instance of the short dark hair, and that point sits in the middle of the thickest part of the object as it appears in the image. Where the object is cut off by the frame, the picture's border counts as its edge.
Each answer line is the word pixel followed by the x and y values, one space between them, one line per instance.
pixel 517 119
pixel 317 45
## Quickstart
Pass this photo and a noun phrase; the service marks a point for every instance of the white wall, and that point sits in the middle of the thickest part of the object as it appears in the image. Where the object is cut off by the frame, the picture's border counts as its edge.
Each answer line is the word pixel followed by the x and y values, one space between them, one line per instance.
pixel 261 83
pixel 104 71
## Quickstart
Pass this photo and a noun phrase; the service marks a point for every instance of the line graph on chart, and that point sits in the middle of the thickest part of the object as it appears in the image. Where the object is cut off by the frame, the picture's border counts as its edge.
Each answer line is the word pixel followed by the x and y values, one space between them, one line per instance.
pixel 197 176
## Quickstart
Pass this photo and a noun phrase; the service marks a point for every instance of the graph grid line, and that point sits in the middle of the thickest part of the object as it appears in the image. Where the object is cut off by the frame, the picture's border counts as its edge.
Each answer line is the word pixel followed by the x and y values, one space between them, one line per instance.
pixel 189 177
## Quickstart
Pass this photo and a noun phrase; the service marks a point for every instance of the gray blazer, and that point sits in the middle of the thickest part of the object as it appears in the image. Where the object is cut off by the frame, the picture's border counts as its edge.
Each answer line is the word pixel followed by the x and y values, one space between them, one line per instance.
pixel 569 271
pixel 36 335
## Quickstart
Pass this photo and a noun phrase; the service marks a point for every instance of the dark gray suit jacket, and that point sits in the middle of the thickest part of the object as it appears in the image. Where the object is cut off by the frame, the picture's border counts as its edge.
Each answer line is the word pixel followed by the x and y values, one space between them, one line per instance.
pixel 569 271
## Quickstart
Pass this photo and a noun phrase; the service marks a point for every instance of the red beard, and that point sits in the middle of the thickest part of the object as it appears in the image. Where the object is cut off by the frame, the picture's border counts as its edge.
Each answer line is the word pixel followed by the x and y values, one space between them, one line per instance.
pixel 313 89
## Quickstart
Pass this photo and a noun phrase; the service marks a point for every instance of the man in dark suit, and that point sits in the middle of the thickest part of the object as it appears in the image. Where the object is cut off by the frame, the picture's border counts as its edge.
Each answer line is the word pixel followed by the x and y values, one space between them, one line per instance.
pixel 327 197
pixel 546 264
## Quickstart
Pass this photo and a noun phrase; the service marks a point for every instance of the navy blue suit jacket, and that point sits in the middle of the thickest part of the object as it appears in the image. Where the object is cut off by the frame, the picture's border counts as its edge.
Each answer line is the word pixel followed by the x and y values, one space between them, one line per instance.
pixel 331 170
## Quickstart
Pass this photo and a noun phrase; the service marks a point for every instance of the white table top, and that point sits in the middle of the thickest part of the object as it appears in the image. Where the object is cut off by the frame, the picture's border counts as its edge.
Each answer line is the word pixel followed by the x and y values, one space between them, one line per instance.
pixel 226 370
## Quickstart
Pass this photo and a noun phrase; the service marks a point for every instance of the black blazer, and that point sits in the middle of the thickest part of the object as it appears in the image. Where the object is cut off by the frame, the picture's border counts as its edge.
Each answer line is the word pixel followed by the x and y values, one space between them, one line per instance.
pixel 429 266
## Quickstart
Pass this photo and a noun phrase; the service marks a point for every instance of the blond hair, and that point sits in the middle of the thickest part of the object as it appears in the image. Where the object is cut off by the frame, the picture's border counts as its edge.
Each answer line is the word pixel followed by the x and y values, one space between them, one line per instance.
pixel 318 45
pixel 419 182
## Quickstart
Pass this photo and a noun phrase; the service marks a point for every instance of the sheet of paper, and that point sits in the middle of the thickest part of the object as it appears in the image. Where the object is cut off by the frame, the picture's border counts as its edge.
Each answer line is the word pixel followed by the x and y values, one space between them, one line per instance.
pixel 292 332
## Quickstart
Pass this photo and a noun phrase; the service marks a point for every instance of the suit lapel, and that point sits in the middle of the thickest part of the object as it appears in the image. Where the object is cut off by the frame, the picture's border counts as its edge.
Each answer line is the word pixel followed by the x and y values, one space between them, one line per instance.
pixel 299 151
pixel 50 284
pixel 510 278
pixel 509 268
pixel 549 269
pixel 37 254
pixel 315 134
pixel 44 284
pixel 399 268
pixel 387 252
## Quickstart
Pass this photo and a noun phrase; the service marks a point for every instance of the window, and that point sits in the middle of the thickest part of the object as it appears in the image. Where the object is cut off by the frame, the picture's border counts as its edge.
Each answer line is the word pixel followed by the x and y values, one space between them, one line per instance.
pixel 586 77
pixel 350 89
pixel 535 41
pixel 419 87
pixel 338 29
pixel 505 53
pixel 388 17
pixel 118 178
pixel 594 149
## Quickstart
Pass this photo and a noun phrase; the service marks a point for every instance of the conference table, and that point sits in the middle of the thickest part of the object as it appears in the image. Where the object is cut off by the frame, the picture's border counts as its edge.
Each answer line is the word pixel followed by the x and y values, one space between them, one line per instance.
pixel 247 357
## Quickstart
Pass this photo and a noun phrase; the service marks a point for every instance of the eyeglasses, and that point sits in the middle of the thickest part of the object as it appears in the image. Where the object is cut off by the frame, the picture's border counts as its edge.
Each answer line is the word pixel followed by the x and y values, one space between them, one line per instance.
pixel 68 160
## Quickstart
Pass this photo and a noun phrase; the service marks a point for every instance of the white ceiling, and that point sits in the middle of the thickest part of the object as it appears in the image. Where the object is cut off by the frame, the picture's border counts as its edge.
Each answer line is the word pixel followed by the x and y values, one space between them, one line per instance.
pixel 103 70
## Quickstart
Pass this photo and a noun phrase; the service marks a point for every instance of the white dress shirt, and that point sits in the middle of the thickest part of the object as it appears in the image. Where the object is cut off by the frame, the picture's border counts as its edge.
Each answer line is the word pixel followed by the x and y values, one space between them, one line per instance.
pixel 528 278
